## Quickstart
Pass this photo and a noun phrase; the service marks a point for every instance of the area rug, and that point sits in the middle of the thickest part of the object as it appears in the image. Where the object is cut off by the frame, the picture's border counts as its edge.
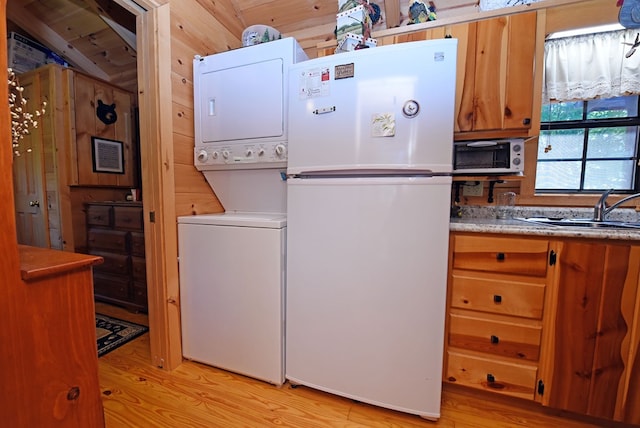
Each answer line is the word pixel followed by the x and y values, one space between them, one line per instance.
pixel 113 333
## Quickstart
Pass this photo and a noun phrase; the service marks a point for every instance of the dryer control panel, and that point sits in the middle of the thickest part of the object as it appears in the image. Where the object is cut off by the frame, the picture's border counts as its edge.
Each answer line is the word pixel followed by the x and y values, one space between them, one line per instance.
pixel 245 156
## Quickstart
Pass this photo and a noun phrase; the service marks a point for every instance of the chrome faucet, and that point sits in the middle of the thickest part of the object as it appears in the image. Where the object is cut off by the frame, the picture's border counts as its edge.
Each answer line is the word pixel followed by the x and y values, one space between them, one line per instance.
pixel 601 209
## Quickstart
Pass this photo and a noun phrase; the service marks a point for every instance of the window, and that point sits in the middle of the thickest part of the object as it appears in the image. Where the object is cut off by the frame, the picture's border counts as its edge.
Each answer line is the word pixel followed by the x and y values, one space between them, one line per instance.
pixel 589 121
pixel 589 146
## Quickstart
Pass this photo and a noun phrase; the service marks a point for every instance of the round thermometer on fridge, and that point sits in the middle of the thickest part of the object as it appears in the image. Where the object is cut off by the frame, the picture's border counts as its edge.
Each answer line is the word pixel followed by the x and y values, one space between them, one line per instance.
pixel 410 108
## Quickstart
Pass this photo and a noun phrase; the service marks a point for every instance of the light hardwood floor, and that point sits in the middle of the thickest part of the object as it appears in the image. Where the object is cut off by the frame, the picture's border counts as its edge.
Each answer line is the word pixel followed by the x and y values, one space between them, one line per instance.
pixel 136 394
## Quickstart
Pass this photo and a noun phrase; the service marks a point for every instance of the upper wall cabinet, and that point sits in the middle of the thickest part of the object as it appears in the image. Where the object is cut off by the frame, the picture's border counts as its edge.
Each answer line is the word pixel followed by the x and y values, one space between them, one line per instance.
pixel 104 137
pixel 495 76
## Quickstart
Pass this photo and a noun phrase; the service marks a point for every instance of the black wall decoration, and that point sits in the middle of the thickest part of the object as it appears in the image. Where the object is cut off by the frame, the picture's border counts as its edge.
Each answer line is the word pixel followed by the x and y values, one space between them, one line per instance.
pixel 106 113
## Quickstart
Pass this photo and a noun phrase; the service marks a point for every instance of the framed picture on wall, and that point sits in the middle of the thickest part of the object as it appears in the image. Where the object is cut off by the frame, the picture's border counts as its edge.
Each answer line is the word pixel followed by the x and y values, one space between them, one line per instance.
pixel 108 155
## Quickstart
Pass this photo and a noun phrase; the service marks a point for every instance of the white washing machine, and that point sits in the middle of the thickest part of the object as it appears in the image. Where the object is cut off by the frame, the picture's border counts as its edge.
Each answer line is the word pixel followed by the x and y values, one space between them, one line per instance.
pixel 232 265
pixel 232 279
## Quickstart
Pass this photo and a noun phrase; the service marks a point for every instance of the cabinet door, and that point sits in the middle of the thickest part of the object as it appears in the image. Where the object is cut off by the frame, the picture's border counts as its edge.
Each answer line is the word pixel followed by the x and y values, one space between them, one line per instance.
pixel 495 73
pixel 590 328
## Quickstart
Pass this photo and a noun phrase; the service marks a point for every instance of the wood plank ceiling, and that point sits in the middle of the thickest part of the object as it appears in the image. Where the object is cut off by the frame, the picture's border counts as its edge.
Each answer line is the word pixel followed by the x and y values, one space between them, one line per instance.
pixel 98 36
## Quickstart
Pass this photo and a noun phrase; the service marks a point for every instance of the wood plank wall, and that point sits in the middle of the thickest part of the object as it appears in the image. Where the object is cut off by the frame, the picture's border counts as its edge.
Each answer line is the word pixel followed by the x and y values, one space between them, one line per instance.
pixel 194 31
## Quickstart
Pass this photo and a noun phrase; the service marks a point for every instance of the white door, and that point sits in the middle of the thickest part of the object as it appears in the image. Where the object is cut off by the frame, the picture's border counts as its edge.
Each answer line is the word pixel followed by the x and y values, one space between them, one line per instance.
pixel 366 285
pixel 28 182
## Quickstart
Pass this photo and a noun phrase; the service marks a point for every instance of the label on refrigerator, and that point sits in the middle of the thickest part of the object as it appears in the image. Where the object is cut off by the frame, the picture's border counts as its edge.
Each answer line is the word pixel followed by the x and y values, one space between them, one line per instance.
pixel 314 83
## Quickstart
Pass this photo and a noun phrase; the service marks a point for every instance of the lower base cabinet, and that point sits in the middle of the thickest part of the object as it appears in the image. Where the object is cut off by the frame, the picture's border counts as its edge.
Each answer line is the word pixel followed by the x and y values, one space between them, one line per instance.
pixel 551 320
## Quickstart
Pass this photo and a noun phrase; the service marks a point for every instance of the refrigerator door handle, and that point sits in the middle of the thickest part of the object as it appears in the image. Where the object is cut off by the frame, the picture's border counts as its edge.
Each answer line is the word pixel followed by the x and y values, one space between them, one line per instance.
pixel 324 110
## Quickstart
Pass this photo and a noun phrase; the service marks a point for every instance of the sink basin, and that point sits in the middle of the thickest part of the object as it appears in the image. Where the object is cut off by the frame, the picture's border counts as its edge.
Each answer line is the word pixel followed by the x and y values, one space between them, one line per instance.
pixel 583 223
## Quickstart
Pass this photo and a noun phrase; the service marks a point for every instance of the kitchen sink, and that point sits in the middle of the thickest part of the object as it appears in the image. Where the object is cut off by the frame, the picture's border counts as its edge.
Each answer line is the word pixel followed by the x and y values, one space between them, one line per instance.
pixel 583 223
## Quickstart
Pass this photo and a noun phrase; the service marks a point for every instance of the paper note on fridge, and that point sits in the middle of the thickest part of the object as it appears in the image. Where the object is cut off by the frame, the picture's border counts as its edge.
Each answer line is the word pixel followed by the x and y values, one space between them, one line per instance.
pixel 383 125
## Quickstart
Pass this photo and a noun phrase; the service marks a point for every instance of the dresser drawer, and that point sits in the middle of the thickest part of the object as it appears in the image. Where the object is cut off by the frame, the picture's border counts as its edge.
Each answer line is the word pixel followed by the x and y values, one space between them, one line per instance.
pixel 501 255
pixel 507 339
pixel 140 294
pixel 99 215
pixel 139 268
pixel 127 218
pixel 111 286
pixel 499 296
pixel 105 239
pixel 489 374
pixel 115 263
pixel 137 244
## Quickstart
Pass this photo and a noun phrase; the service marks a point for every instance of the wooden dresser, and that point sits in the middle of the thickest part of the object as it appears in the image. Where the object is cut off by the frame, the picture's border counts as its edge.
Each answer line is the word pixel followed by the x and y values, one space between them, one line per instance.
pixel 115 232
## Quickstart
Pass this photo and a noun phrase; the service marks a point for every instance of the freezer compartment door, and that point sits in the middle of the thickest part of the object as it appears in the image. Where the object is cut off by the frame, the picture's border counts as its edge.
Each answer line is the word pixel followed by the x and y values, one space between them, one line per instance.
pixel 366 285
pixel 388 107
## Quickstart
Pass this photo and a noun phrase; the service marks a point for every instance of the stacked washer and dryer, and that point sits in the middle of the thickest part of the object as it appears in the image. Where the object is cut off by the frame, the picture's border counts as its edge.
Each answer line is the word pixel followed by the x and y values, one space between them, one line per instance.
pixel 232 265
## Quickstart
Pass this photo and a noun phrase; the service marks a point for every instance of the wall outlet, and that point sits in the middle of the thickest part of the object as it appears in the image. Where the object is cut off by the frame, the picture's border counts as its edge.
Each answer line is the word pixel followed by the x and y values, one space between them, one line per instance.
pixel 473 188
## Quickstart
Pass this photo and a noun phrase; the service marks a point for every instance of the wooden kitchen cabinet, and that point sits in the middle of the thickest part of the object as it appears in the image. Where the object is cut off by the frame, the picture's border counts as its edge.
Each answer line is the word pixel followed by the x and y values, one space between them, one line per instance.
pixel 115 233
pixel 494 316
pixel 552 320
pixel 593 365
pixel 495 76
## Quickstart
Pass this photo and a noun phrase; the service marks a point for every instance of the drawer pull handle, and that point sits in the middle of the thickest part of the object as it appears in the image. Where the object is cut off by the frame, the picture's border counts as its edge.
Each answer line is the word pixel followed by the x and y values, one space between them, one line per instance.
pixel 495 339
pixel 490 378
pixel 497 298
pixel 500 256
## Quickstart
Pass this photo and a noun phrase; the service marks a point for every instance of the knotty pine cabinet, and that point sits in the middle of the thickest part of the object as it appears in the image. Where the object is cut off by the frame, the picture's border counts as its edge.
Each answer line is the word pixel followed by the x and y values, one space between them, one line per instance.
pixel 495 76
pixel 551 320
pixel 593 366
pixel 494 317
pixel 115 233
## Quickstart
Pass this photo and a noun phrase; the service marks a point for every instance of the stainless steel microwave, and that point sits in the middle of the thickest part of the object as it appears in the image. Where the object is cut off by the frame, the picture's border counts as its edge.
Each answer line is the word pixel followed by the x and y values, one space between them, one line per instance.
pixel 488 156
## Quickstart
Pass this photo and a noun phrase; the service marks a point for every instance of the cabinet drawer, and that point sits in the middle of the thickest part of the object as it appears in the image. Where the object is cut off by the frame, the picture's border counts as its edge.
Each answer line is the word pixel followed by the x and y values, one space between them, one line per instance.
pixel 127 218
pixel 99 215
pixel 501 255
pixel 139 269
pixel 104 239
pixel 137 244
pixel 499 296
pixel 115 263
pixel 506 339
pixel 513 379
pixel 111 286
pixel 140 294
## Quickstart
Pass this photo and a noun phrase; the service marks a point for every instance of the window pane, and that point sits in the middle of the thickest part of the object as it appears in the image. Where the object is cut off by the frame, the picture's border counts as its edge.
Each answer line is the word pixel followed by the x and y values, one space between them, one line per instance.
pixel 565 144
pixel 601 175
pixel 618 142
pixel 561 112
pixel 613 107
pixel 558 176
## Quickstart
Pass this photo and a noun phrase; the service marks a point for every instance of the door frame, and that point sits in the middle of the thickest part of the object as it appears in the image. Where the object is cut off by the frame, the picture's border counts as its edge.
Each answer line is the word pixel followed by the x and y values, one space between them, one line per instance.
pixel 153 40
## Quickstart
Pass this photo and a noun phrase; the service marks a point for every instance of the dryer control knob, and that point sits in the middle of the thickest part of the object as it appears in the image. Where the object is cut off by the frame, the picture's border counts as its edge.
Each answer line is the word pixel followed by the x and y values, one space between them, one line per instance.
pixel 260 151
pixel 202 156
pixel 214 155
pixel 280 150
pixel 248 153
pixel 225 154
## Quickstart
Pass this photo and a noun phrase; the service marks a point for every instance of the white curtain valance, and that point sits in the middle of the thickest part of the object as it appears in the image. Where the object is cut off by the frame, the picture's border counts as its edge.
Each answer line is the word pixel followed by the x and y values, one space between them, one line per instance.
pixel 591 66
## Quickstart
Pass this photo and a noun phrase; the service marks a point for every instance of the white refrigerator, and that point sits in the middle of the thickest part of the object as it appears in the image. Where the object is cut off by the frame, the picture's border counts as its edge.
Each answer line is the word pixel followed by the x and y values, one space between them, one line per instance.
pixel 368 194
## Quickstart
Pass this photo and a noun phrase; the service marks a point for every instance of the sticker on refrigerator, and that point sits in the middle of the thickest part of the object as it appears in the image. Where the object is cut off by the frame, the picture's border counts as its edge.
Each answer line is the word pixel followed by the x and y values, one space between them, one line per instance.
pixel 383 125
pixel 314 83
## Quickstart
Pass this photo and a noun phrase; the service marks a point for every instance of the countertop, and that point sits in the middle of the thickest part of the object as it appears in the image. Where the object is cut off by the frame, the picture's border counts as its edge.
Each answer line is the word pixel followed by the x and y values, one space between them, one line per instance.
pixel 482 220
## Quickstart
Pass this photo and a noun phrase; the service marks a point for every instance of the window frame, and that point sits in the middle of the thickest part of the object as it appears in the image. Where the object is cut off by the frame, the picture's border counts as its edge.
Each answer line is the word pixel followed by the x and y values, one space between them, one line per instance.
pixel 586 125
